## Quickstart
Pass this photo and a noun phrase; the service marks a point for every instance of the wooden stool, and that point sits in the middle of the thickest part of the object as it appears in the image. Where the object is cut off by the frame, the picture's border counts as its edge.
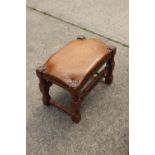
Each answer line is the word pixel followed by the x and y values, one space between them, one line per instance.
pixel 77 67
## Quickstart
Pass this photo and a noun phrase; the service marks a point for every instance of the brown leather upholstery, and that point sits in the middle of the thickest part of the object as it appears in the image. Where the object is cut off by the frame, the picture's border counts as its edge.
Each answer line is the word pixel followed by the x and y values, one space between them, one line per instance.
pixel 74 61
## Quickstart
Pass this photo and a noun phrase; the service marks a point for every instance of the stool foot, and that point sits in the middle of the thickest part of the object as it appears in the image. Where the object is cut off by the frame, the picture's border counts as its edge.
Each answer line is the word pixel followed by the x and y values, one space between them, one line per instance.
pixel 45 102
pixel 109 80
pixel 76 118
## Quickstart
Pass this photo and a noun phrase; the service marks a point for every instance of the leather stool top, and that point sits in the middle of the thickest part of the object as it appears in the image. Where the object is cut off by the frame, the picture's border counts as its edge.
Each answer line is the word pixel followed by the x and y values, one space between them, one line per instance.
pixel 72 63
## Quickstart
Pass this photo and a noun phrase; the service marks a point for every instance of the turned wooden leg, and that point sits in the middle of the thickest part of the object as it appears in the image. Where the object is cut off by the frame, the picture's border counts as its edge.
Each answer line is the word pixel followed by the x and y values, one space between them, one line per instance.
pixel 110 66
pixel 44 87
pixel 75 108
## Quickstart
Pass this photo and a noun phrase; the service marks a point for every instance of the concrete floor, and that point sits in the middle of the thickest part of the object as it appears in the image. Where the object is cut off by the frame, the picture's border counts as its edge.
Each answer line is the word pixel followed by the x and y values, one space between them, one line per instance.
pixel 106 17
pixel 103 129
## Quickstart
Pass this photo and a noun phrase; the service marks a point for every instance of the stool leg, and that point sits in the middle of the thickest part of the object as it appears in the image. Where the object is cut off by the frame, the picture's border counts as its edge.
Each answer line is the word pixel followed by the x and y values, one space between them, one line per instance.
pixel 110 66
pixel 44 88
pixel 75 108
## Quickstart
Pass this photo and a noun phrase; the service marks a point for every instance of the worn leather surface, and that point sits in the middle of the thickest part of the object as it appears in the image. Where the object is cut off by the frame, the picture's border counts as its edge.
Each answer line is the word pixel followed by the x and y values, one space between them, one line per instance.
pixel 75 60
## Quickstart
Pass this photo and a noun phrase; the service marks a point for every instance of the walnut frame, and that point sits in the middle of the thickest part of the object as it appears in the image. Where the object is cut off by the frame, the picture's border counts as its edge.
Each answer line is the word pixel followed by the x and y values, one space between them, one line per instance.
pixel 74 111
